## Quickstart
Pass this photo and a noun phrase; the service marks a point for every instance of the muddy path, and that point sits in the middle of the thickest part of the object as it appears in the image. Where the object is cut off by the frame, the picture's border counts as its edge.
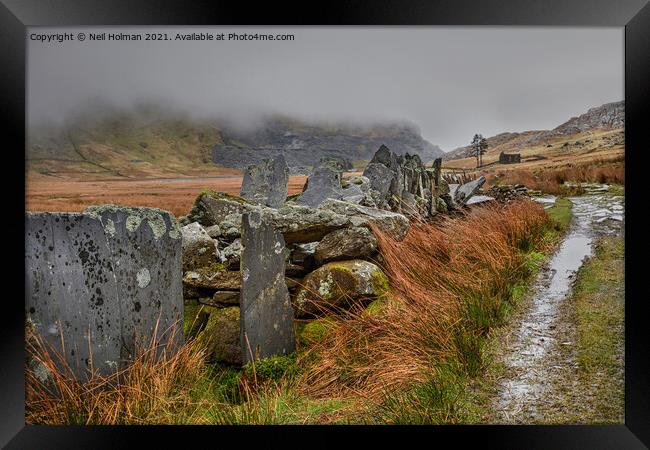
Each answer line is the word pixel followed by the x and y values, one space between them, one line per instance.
pixel 535 354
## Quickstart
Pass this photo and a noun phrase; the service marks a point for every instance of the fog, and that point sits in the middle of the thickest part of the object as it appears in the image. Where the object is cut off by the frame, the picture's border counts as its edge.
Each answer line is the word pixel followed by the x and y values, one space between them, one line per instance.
pixel 450 81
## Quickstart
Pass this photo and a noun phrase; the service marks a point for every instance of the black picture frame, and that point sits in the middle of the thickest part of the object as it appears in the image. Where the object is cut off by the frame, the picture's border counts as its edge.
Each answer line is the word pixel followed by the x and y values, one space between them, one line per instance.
pixel 634 15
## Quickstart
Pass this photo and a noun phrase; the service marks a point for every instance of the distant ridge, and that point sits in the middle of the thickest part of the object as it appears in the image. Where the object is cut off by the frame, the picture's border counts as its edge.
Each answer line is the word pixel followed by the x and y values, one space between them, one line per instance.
pixel 609 116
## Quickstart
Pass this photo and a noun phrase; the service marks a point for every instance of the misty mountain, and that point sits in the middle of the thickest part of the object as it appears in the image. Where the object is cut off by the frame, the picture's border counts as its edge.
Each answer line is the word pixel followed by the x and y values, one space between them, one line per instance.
pixel 303 144
pixel 609 116
pixel 151 141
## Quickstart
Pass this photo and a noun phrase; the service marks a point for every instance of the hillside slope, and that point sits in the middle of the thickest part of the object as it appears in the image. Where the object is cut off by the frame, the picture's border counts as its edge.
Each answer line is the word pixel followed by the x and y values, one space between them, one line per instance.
pixel 604 118
pixel 126 144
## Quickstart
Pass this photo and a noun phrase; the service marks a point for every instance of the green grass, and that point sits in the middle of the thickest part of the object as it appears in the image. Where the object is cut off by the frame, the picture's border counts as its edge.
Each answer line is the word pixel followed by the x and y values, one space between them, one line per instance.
pixel 560 212
pixel 616 189
pixel 599 316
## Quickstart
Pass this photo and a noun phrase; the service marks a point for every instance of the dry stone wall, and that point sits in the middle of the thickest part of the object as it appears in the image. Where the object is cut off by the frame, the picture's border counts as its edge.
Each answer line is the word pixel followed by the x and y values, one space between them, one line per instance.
pixel 315 249
pixel 242 271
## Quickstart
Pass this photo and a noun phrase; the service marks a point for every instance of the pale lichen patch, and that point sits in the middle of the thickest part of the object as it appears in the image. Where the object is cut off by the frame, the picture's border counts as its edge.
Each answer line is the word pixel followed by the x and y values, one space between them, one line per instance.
pixel 110 227
pixel 133 222
pixel 143 277
pixel 157 224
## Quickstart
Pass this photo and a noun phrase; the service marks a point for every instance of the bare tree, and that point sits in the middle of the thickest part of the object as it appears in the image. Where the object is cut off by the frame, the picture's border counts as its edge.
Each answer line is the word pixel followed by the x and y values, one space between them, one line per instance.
pixel 479 146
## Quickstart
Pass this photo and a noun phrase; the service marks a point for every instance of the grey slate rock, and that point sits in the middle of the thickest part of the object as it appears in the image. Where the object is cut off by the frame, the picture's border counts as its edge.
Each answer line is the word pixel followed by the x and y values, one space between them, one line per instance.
pixel 211 208
pixel 380 177
pixel 199 249
pixel 348 243
pixel 301 224
pixel 232 254
pixel 463 193
pixel 104 276
pixel 477 199
pixel 147 249
pixel 394 224
pixel 221 299
pixel 213 231
pixel 323 183
pixel 267 183
pixel 266 321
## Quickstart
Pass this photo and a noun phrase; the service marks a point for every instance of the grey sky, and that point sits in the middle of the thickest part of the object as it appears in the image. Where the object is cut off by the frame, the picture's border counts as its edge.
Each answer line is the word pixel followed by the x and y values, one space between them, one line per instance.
pixel 451 81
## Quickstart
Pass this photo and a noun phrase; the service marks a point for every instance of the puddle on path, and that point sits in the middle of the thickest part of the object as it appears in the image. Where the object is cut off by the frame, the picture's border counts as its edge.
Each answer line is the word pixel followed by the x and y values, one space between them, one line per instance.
pixel 594 214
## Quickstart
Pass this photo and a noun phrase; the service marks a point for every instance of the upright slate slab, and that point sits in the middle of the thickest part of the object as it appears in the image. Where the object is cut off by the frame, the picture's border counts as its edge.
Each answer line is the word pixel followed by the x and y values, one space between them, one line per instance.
pixel 267 183
pixel 146 249
pixel 100 280
pixel 71 289
pixel 323 183
pixel 266 317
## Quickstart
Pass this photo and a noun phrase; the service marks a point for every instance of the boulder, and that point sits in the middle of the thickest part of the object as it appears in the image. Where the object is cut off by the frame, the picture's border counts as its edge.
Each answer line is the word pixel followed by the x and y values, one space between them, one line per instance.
pixel 266 324
pixel 394 177
pixel 394 224
pixel 221 298
pixel 336 284
pixel 211 208
pixel 464 192
pixel 347 243
pixel 323 183
pixel 362 182
pixel 232 253
pixel 298 224
pixel 199 249
pixel 441 205
pixel 450 197
pixel 215 278
pixel 301 224
pixel 294 270
pixel 221 335
pixel 357 190
pixel 190 292
pixel 266 183
pixel 213 231
pixel 385 156
pixel 231 227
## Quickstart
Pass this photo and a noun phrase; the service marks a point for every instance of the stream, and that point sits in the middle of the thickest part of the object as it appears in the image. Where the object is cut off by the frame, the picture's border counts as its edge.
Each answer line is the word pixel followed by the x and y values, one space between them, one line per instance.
pixel 595 214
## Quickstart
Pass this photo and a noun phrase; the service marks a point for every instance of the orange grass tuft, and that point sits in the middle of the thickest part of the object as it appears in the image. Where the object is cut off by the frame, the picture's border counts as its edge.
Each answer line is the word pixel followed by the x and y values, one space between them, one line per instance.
pixel 155 388
pixel 552 181
pixel 448 282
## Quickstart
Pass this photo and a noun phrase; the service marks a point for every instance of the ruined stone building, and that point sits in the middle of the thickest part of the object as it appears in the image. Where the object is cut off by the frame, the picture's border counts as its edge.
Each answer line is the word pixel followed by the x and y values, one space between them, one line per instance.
pixel 509 158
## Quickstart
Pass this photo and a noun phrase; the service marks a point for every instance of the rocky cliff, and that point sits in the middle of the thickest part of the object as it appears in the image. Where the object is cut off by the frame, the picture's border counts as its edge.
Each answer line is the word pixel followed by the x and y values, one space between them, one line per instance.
pixel 605 117
pixel 304 144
